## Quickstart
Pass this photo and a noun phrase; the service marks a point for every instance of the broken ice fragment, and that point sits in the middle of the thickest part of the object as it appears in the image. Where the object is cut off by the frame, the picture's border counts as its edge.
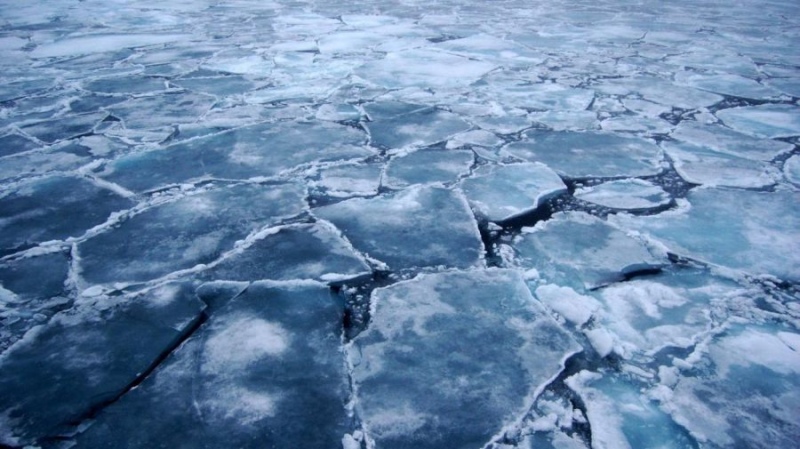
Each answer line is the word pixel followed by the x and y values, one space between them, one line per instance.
pixel 427 167
pixel 733 228
pixel 192 230
pixel 13 144
pixel 628 194
pixel 423 67
pixel 53 209
pixel 64 128
pixel 727 84
pixel 501 192
pixel 265 370
pixel 766 120
pixel 577 250
pixel 303 251
pixel 451 358
pixel 791 170
pixel 725 140
pixel 86 357
pixel 421 226
pixel 416 126
pixel 162 110
pixel 348 180
pixel 589 154
pixel 700 165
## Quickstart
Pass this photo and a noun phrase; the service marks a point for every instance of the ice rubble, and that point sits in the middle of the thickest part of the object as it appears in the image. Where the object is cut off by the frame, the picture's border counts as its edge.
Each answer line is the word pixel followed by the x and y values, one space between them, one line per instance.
pixel 426 371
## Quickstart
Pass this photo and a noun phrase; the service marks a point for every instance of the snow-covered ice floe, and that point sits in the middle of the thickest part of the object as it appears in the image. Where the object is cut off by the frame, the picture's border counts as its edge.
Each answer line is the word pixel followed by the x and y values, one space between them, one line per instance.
pixel 378 225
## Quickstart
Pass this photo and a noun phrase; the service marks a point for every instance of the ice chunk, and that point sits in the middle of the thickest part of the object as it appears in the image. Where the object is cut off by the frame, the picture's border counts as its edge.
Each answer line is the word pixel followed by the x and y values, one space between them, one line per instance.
pixel 221 86
pixel 421 226
pixel 253 151
pixel 724 140
pixel 623 418
pixel 733 228
pixel 634 123
pixel 264 370
pixel 193 230
pixel 96 43
pixel 789 86
pixel 659 91
pixel 766 120
pixel 348 180
pixel 501 192
pixel 13 144
pixel 399 125
pixel 727 84
pixel 53 209
pixel 133 84
pixel 540 96
pixel 427 166
pixel 700 165
pixel 451 358
pixel 492 49
pixel 64 128
pixel 577 250
pixel 476 137
pixel 750 373
pixel 338 112
pixel 61 157
pixel 791 170
pixel 162 110
pixel 630 194
pixel 303 251
pixel 574 307
pixel 566 120
pixel 425 68
pixel 87 357
pixel 589 154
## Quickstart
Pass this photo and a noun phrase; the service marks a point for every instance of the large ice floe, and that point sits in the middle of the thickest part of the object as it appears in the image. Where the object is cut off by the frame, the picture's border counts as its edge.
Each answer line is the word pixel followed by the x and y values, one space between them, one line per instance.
pixel 394 225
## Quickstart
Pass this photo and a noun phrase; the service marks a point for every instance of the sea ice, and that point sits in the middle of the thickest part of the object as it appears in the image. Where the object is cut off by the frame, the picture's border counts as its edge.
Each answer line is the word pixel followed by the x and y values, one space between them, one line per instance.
pixel 407 125
pixel 14 143
pixel 727 84
pixel 452 358
pixel 95 43
pixel 589 154
pixel 349 180
pixel 766 120
pixel 418 227
pixel 53 208
pixel 628 194
pixel 725 140
pixel 265 370
pixel 501 192
pixel 700 165
pixel 577 250
pixel 427 167
pixel 732 228
pixel 162 110
pixel 64 128
pixel 86 357
pixel 192 230
pixel 423 67
pixel 302 251
pixel 791 170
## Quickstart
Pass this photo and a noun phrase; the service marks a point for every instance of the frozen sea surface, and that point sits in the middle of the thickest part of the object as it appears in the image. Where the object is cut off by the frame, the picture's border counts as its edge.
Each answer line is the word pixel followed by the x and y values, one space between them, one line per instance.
pixel 390 225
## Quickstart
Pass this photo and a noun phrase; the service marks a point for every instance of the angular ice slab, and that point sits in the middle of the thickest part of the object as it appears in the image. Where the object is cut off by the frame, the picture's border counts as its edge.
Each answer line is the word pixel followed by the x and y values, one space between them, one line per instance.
pixel 303 251
pixel 97 43
pixel 266 370
pixel 627 194
pixel 349 180
pixel 450 359
pixel 727 84
pixel 64 128
pixel 725 140
pixel 401 125
pixel 192 230
pixel 623 418
pixel 700 165
pixel 791 170
pixel 583 252
pixel 253 151
pixel 13 144
pixel 659 91
pixel 60 157
pixel 501 192
pixel 53 209
pixel 86 357
pixel 162 110
pixel 427 167
pixel 758 232
pixel 418 227
pixel 589 154
pixel 766 120
pixel 425 68
pixel 744 393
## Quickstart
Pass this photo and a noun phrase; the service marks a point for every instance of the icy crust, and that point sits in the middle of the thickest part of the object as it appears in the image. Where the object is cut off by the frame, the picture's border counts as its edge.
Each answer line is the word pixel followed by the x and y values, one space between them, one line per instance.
pixel 436 222
pixel 86 357
pixel 54 208
pixel 766 120
pixel 743 392
pixel 589 154
pixel 577 250
pixel 427 167
pixel 719 138
pixel 450 359
pixel 700 165
pixel 303 251
pixel 628 194
pixel 396 125
pixel 254 151
pixel 264 370
pixel 505 191
pixel 195 229
pixel 732 228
